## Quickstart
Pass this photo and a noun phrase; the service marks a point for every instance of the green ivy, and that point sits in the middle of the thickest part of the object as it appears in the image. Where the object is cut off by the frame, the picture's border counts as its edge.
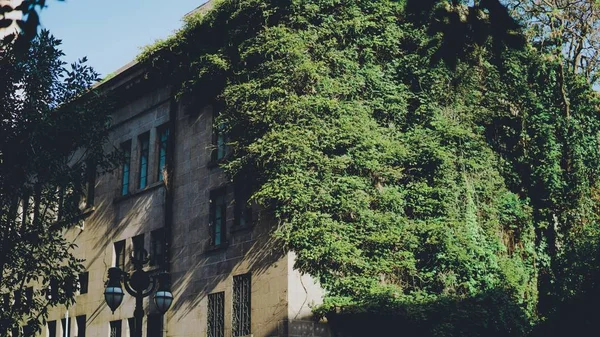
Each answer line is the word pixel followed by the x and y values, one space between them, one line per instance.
pixel 401 182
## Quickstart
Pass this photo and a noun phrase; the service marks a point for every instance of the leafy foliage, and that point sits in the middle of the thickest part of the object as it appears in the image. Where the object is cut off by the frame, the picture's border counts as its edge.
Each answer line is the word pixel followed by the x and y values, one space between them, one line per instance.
pixel 53 128
pixel 404 184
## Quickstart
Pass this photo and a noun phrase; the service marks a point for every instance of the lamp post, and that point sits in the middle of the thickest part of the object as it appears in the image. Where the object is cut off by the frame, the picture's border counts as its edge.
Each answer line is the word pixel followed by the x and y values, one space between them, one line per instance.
pixel 138 284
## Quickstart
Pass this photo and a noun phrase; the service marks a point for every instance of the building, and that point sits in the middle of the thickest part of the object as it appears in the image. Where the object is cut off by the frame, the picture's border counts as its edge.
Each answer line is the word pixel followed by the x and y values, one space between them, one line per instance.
pixel 13 15
pixel 229 277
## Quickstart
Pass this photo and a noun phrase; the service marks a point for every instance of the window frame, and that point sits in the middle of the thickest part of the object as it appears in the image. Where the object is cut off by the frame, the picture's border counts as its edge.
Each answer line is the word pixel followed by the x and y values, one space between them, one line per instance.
pixel 119 253
pixel 137 241
pixel 118 325
pixel 218 234
pixel 51 326
pixel 81 326
pixel 126 167
pixel 239 325
pixel 28 296
pixel 157 239
pixel 243 209
pixel 130 326
pixel 219 141
pixel 90 171
pixel 215 321
pixel 144 159
pixel 163 136
pixel 84 279
pixel 154 319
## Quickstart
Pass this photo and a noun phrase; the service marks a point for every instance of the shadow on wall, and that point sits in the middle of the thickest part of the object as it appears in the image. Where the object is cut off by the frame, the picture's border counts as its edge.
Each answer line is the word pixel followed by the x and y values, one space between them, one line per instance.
pixel 106 227
pixel 255 248
pixel 491 314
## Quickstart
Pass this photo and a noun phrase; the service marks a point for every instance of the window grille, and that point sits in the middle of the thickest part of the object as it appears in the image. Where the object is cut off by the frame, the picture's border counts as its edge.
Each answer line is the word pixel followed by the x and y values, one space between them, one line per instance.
pixel 241 305
pixel 216 315
pixel 115 329
pixel 162 151
pixel 144 151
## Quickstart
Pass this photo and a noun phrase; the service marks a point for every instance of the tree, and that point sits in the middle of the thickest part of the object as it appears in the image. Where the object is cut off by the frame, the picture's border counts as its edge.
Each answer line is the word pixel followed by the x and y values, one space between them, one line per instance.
pixel 569 29
pixel 53 126
pixel 21 15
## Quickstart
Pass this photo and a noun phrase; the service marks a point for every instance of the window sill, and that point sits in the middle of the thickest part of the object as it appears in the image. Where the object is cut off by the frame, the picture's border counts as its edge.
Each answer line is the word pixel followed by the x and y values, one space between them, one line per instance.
pixel 154 267
pixel 216 162
pixel 213 248
pixel 87 212
pixel 148 188
pixel 243 228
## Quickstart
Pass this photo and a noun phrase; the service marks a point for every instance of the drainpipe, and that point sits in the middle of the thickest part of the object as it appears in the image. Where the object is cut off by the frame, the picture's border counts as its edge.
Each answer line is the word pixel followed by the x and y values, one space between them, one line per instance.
pixel 67 323
pixel 169 180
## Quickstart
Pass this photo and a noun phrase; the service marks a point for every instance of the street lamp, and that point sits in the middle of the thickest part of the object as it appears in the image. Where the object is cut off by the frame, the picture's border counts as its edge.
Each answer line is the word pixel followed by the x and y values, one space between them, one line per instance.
pixel 138 284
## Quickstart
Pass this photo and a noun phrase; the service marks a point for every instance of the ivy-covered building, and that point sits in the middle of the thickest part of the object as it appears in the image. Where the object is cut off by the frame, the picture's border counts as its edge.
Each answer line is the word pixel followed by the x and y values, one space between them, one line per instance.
pixel 228 275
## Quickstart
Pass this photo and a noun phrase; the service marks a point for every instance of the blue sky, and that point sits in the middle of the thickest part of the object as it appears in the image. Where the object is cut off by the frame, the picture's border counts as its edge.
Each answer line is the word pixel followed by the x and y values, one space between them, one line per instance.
pixel 110 32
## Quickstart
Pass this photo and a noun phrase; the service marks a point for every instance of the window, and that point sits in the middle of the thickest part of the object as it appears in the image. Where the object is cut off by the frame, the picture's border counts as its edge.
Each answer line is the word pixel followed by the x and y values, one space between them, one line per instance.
pixel 65 328
pixel 126 148
pixel 218 208
pixel 53 289
pixel 28 329
pixel 157 238
pixel 241 305
pixel 29 296
pixel 6 302
pixel 120 254
pixel 138 242
pixel 17 299
pixel 115 329
pixel 51 328
pixel 91 183
pixel 220 150
pixel 154 326
pixel 163 138
pixel 130 326
pixel 144 141
pixel 83 282
pixel 243 210
pixel 80 325
pixel 216 315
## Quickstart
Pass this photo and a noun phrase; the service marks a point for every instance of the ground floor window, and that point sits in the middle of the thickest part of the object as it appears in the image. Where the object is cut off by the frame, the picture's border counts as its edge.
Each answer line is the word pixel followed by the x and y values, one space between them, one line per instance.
pixel 216 314
pixel 241 305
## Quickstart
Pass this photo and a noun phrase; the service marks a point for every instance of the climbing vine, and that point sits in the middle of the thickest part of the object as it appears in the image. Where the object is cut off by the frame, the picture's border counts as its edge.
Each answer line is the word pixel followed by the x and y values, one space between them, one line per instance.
pixel 404 179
